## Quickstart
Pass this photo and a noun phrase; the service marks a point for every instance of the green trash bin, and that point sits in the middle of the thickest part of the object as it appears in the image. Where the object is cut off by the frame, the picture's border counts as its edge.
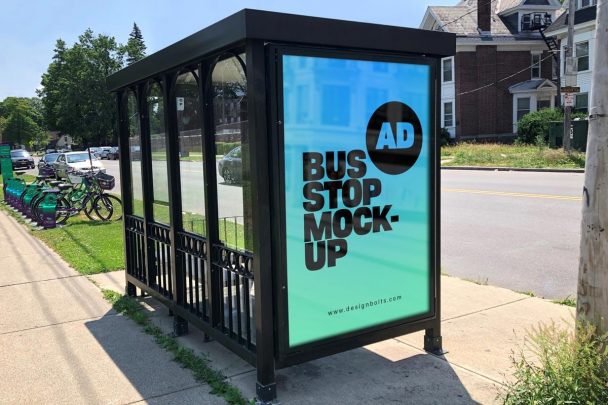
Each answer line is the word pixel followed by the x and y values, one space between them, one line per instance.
pixel 579 141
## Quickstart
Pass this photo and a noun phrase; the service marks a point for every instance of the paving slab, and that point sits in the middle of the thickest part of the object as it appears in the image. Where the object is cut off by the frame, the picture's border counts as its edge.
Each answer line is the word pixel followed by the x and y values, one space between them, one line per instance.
pixel 114 280
pixel 462 297
pixel 195 396
pixel 483 342
pixel 221 358
pixel 17 241
pixel 383 373
pixel 107 360
pixel 43 303
pixel 18 269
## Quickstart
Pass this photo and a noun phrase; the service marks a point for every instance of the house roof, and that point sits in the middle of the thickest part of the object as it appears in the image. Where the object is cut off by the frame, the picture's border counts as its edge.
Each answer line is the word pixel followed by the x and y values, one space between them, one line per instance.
pixel 580 16
pixel 461 19
pixel 532 85
pixel 560 22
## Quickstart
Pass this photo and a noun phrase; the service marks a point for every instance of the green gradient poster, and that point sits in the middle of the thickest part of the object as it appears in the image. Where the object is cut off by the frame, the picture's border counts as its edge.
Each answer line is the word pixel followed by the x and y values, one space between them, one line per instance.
pixel 357 170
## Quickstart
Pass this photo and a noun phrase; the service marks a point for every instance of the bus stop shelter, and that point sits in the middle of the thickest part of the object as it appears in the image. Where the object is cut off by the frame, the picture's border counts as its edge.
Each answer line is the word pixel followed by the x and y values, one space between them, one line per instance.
pixel 280 180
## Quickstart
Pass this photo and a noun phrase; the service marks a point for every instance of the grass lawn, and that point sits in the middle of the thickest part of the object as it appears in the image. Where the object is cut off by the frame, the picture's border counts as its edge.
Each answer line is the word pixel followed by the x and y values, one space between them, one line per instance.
pixel 96 247
pixel 89 247
pixel 518 156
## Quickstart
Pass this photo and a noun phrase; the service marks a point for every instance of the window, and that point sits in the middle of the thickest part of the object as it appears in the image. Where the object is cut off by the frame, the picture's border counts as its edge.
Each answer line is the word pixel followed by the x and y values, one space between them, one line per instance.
pixel 581 102
pixel 585 3
pixel 229 86
pixel 582 56
pixel 190 141
pixel 523 107
pixel 135 154
pixel 536 61
pixel 160 183
pixel 447 70
pixel 448 114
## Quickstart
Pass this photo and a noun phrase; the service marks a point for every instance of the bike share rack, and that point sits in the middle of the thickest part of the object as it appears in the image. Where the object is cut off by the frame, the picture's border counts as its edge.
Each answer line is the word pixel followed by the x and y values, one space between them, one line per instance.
pixel 338 127
pixel 14 188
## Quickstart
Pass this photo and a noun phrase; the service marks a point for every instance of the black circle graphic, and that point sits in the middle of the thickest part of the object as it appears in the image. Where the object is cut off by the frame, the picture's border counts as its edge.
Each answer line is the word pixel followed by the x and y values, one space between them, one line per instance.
pixel 394 158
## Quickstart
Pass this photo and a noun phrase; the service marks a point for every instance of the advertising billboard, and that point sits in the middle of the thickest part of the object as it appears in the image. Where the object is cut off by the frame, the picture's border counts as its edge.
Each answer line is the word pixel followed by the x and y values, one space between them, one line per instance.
pixel 357 179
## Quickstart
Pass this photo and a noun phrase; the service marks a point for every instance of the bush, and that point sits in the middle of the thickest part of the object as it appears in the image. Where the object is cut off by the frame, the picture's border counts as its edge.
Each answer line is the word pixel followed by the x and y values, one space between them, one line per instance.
pixel 444 137
pixel 221 148
pixel 535 126
pixel 567 368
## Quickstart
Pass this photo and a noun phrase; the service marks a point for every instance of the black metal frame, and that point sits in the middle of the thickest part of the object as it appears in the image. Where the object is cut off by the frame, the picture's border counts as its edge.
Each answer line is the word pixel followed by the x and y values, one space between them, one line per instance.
pixel 430 320
pixel 203 260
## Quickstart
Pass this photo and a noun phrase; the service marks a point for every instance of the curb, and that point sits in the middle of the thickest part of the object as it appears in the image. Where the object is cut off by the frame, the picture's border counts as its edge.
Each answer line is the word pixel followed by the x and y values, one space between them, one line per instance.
pixel 513 169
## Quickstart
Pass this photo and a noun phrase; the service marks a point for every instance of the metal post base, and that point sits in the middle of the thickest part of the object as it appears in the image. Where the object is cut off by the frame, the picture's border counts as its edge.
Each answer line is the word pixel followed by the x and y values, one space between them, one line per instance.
pixel 433 344
pixel 266 394
pixel 130 290
pixel 180 326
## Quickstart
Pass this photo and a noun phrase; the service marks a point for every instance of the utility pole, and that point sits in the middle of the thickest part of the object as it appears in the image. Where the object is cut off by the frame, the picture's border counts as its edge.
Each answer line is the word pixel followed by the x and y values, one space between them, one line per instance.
pixel 569 74
pixel 592 297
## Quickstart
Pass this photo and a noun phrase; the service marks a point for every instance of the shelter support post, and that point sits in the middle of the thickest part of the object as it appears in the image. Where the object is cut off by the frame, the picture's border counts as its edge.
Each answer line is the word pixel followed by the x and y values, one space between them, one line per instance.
pixel 257 142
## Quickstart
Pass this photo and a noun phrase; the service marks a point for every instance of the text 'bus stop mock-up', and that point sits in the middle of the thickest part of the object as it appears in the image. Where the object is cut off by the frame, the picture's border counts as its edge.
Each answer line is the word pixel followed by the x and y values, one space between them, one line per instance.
pixel 280 179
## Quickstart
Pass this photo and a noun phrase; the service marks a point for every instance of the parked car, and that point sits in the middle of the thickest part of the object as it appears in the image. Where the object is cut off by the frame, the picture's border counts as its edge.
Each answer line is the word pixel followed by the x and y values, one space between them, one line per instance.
pixel 22 159
pixel 45 164
pixel 113 154
pixel 230 167
pixel 104 152
pixel 94 151
pixel 135 152
pixel 69 162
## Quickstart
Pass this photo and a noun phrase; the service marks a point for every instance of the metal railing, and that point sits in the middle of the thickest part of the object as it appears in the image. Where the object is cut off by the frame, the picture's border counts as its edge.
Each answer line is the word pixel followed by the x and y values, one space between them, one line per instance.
pixel 231 264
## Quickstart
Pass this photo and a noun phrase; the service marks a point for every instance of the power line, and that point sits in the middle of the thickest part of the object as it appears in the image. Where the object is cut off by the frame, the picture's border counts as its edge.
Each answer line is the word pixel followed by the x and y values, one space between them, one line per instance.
pixel 504 78
pixel 465 14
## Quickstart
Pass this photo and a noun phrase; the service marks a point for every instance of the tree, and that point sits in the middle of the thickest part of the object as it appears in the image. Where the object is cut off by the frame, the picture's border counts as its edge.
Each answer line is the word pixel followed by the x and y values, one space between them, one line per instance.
pixel 135 48
pixel 21 120
pixel 74 92
pixel 592 296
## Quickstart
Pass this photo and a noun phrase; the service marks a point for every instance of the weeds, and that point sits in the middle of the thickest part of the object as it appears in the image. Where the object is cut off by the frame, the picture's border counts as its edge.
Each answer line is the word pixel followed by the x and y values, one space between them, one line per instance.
pixel 199 366
pixel 565 368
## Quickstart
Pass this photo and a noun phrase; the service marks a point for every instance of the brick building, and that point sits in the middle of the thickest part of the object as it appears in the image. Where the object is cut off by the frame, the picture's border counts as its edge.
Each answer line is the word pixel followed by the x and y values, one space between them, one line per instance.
pixel 503 67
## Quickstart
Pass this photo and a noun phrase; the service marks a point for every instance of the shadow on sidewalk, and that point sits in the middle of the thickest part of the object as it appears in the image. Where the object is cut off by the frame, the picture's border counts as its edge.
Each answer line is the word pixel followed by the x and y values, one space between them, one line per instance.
pixel 382 373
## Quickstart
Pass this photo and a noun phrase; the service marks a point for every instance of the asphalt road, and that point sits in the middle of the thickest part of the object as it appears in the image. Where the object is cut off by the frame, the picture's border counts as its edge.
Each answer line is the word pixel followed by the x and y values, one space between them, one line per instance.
pixel 518 230
pixel 513 229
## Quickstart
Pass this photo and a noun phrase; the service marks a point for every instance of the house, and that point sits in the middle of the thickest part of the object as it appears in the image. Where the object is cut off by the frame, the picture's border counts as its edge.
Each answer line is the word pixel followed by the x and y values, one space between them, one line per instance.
pixel 503 67
pixel 584 45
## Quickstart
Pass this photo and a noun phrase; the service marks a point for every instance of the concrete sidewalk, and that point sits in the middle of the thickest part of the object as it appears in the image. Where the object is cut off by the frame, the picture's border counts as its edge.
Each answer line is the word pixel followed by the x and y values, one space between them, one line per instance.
pixel 482 325
pixel 60 342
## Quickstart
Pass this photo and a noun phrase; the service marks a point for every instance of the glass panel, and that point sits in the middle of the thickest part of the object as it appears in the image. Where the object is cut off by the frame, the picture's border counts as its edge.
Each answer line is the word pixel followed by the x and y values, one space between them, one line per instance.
pixel 135 154
pixel 192 180
pixel 582 55
pixel 581 102
pixel 230 121
pixel 156 124
pixel 523 107
pixel 535 66
pixel 447 70
pixel 447 115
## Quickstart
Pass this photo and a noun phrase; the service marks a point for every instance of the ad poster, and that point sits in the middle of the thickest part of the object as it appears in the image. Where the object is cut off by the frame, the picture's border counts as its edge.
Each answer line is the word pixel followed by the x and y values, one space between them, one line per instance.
pixel 357 194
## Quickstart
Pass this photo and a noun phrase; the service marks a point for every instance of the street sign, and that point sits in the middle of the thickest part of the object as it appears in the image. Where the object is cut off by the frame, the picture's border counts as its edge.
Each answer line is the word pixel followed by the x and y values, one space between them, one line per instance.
pixel 571 89
pixel 180 103
pixel 568 100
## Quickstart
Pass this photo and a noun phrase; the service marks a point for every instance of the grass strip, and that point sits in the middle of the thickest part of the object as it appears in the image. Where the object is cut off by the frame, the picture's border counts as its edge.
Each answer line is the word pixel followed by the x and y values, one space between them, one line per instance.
pixel 517 156
pixel 199 366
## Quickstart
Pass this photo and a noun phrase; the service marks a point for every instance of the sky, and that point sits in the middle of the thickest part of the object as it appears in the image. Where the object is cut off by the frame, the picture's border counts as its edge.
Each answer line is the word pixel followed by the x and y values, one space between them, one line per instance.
pixel 29 29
